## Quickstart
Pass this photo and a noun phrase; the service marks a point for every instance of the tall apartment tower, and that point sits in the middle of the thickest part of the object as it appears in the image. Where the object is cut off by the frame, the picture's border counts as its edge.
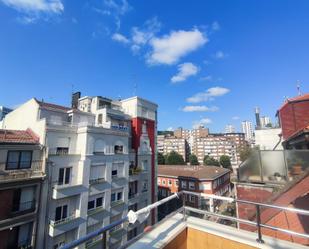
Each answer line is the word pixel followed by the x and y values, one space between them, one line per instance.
pixel 248 130
pixel 257 117
pixel 100 164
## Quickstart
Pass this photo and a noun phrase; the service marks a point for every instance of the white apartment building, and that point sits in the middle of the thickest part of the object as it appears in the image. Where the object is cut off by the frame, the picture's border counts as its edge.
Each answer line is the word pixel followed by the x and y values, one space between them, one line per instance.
pixel 229 129
pixel 178 145
pixel 91 165
pixel 160 143
pixel 215 146
pixel 265 121
pixel 247 128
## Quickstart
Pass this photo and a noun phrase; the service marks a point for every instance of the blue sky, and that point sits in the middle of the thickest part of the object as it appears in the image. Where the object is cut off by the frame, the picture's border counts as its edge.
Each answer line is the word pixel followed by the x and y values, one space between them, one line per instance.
pixel 203 62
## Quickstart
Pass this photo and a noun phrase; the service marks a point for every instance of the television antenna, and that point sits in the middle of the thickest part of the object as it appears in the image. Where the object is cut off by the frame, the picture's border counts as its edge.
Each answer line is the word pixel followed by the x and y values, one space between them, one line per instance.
pixel 298 88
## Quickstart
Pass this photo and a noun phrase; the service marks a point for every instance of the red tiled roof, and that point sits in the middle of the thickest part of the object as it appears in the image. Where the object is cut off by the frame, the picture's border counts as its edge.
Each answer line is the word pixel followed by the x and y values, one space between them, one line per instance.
pixel 303 97
pixel 52 106
pixel 18 136
pixel 199 172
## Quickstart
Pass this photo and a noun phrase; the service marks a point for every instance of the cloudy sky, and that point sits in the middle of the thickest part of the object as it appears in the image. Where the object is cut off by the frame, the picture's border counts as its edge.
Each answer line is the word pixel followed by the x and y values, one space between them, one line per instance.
pixel 203 62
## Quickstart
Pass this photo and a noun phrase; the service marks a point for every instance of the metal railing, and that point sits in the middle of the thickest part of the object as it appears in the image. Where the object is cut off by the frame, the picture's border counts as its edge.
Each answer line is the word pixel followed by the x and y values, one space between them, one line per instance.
pixel 184 209
pixel 62 221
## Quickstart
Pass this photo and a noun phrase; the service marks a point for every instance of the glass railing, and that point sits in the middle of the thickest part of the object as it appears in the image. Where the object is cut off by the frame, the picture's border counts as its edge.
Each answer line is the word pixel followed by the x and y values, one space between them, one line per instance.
pixel 274 166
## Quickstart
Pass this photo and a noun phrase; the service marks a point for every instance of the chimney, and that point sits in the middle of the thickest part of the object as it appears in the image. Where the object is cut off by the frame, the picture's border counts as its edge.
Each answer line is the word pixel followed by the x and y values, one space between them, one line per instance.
pixel 75 98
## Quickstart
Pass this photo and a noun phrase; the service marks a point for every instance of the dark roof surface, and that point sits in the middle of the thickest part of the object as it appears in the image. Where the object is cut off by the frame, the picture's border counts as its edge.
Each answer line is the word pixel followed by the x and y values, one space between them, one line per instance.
pixel 199 172
pixel 53 106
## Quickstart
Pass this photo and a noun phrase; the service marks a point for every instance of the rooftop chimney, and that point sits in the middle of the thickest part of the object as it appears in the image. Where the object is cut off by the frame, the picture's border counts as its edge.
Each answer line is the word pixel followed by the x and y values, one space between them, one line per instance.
pixel 75 98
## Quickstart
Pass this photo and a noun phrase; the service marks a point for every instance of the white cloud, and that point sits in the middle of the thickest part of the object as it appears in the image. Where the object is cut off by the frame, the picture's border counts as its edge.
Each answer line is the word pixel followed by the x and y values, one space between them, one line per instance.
pixel 200 108
pixel 215 26
pixel 209 94
pixel 120 7
pixel 202 122
pixel 120 38
pixel 206 78
pixel 170 48
pixel 36 6
pixel 235 118
pixel 185 70
pixel 220 55
pixel 170 128
pixel 142 35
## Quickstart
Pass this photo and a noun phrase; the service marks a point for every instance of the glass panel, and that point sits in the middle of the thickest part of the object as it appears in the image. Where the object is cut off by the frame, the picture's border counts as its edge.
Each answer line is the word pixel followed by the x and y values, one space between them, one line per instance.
pixel 297 162
pixel 99 202
pixel 12 161
pixel 64 211
pixel 60 176
pixel 113 197
pixel 90 205
pixel 25 159
pixel 250 170
pixel 58 213
pixel 67 175
pixel 273 166
pixel 119 196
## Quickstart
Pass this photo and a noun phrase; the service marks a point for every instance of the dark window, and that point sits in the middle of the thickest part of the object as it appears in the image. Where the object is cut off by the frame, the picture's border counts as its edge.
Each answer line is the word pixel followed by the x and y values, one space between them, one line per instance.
pixel 19 160
pixel 119 196
pixel 16 199
pixel 61 213
pixel 99 202
pixel 62 151
pixel 100 117
pixel 64 176
pixel 90 205
pixel 113 197
pixel 114 172
pixel 118 149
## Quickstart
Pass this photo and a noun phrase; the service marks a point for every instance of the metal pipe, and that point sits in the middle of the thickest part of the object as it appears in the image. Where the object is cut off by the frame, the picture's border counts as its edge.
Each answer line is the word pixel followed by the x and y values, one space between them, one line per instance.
pixel 258 224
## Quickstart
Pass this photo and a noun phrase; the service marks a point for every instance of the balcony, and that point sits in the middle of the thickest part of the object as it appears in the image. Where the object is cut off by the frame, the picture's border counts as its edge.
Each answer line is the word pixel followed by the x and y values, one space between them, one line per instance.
pixel 66 190
pixel 64 225
pixel 188 227
pixel 7 175
pixel 97 180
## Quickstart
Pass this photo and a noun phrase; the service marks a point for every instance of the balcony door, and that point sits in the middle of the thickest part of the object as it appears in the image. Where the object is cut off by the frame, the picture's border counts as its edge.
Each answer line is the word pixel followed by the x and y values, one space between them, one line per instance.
pixel 61 213
pixel 64 176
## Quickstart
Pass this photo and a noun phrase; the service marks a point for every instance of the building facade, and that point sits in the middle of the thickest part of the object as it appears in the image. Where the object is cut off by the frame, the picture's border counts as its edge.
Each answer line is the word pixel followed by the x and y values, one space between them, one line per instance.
pixel 268 139
pixel 199 179
pixel 96 152
pixel 230 129
pixel 247 128
pixel 179 145
pixel 21 180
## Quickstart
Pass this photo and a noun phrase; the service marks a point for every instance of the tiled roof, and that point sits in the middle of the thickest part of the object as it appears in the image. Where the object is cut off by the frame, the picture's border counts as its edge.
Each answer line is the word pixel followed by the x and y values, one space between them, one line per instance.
pixel 199 172
pixel 18 136
pixel 303 97
pixel 53 106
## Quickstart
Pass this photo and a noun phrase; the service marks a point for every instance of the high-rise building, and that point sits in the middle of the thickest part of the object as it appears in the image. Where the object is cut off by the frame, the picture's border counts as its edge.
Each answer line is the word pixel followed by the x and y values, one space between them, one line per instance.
pixel 101 162
pixel 4 111
pixel 178 145
pixel 265 121
pixel 229 129
pixel 248 130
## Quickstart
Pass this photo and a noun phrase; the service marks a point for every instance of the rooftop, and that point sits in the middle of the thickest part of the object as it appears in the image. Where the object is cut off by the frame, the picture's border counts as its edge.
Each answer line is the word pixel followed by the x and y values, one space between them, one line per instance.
pixel 198 172
pixel 51 106
pixel 18 136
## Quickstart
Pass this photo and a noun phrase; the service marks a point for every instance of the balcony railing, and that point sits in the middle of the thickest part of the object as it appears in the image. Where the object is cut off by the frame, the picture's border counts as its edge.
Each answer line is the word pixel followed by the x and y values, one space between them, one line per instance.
pixel 135 171
pixel 97 180
pixel 62 221
pixel 23 173
pixel 273 166
pixel 132 217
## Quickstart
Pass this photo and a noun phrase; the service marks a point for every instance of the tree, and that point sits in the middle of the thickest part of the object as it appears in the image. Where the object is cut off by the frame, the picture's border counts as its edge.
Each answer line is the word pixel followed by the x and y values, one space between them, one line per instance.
pixel 210 161
pixel 174 158
pixel 161 159
pixel 193 160
pixel 225 161
pixel 245 153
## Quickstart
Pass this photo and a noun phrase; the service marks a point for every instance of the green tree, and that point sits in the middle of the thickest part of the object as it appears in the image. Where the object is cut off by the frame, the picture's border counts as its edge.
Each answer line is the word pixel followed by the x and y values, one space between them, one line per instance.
pixel 245 153
pixel 193 160
pixel 225 161
pixel 174 158
pixel 210 161
pixel 161 159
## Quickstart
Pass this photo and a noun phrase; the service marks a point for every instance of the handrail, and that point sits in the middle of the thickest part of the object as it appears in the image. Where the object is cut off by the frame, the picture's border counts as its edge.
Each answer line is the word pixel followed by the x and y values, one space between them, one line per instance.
pixel 146 210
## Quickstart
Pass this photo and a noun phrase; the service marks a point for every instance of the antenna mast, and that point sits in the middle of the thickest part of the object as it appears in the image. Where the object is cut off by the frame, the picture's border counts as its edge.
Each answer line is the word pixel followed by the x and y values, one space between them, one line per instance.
pixel 298 88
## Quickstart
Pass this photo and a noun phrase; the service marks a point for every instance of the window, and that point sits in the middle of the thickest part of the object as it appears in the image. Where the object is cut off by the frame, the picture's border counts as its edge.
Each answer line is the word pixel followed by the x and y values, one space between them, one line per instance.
pixel 176 183
pixel 61 213
pixel 62 150
pixel 163 182
pixel 95 203
pixel 114 173
pixel 192 198
pixel 118 149
pixel 64 176
pixel 113 197
pixel 191 185
pixel 19 160
pixel 169 182
pixel 100 118
pixel 183 184
pixel 117 196
pixel 159 181
pixel 145 186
